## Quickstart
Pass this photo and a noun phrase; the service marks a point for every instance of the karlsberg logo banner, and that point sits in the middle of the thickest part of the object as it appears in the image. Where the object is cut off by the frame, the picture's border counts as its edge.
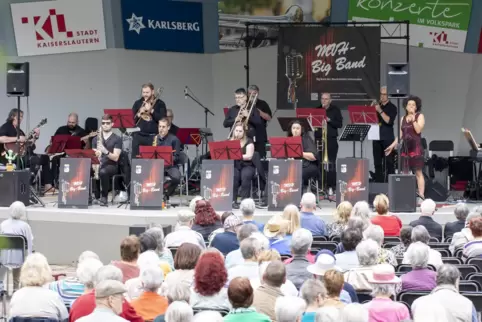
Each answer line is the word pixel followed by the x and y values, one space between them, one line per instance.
pixel 52 27
pixel 434 24
pixel 163 25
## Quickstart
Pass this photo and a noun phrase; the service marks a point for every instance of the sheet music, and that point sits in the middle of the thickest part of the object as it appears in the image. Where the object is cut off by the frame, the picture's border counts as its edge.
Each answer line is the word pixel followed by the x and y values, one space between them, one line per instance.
pixel 374 132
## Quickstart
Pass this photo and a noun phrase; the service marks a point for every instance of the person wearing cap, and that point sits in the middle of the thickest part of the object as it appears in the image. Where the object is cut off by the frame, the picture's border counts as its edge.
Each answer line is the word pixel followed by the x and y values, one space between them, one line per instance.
pixel 183 232
pixel 108 301
pixel 382 307
pixel 275 230
pixel 227 241
pixel 308 218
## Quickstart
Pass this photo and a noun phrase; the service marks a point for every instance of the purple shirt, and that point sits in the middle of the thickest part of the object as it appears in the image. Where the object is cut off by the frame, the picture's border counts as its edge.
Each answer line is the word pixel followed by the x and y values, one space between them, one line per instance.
pixel 419 280
pixel 385 310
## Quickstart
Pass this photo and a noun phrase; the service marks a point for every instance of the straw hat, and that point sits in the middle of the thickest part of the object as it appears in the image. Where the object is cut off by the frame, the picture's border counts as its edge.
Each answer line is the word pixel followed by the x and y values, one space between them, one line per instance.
pixel 324 262
pixel 383 274
pixel 275 226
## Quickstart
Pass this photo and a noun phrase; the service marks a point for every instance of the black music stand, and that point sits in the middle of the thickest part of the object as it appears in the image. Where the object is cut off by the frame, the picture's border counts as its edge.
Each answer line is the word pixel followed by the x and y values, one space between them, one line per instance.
pixel 355 133
pixel 286 147
pixel 285 123
pixel 225 150
pixel 157 152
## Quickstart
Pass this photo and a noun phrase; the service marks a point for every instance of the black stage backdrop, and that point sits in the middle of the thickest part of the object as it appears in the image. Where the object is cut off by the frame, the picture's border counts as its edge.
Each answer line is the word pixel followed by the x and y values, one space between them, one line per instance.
pixel 342 61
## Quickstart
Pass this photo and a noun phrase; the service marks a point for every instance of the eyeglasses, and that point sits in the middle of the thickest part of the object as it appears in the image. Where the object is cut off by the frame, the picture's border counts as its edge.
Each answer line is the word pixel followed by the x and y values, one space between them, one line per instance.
pixel 106 123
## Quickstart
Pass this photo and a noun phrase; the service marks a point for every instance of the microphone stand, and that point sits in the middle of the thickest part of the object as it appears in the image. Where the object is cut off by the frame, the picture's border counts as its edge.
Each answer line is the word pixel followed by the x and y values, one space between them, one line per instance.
pixel 206 110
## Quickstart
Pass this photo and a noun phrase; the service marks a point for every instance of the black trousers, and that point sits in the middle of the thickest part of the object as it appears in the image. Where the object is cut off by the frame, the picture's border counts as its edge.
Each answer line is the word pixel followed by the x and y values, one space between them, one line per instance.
pixel 139 139
pixel 384 165
pixel 101 186
pixel 43 160
pixel 310 171
pixel 172 178
pixel 332 156
pixel 260 147
pixel 243 177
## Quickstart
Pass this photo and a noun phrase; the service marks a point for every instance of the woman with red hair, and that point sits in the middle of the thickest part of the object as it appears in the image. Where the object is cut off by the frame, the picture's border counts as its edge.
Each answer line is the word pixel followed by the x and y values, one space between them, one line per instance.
pixel 210 277
pixel 206 220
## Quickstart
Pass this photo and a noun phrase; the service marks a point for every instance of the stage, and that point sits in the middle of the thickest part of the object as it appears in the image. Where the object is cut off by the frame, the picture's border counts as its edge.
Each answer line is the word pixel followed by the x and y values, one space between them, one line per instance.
pixel 62 234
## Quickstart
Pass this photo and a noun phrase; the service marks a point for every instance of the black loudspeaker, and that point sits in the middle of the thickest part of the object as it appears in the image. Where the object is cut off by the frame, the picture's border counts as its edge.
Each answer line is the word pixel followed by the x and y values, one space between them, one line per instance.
pixel 435 191
pixel 398 79
pixel 376 188
pixel 402 192
pixel 18 79
pixel 15 186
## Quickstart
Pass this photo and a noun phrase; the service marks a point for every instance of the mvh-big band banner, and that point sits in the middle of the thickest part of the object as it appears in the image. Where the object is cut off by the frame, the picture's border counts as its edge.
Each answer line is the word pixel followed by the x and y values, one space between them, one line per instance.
pixel 342 61
pixel 147 183
pixel 352 180
pixel 284 183
pixel 52 27
pixel 217 183
pixel 74 183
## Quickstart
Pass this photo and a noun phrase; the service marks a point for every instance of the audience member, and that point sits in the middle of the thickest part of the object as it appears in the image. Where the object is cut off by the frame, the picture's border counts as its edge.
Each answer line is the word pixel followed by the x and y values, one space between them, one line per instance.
pixel 427 209
pixel 227 241
pixel 268 255
pixel 250 250
pixel 266 295
pixel 474 247
pixel 350 238
pixel 458 307
pixel 357 223
pixel 334 281
pixel 289 309
pixel 108 302
pixel 153 239
pixel 193 202
pixel 327 314
pixel 205 219
pixel 185 261
pixel 224 216
pixel 385 256
pixel 432 311
pixel 420 278
pixel 150 304
pixel 129 250
pixel 13 258
pixel 382 307
pixel 314 293
pixel 184 232
pixel 134 285
pixel 296 270
pixel 288 288
pixel 176 292
pixel 235 257
pixel 208 316
pixel 308 218
pixel 342 214
pixel 362 210
pixel 247 208
pixel 179 312
pixel 87 271
pixel 358 277
pixel 390 224
pixel 405 240
pixel 354 312
pixel 241 298
pixel 210 277
pixel 461 212
pixel 465 235
pixel 292 215
pixel 276 230
pixel 420 233
pixel 32 299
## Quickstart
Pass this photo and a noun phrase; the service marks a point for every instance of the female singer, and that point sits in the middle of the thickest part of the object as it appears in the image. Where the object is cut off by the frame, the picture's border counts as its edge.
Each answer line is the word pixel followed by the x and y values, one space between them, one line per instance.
pixel 311 168
pixel 411 135
pixel 243 169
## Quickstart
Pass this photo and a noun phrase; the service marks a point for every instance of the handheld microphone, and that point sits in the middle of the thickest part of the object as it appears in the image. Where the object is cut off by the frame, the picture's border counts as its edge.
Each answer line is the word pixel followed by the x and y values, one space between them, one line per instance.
pixel 185 92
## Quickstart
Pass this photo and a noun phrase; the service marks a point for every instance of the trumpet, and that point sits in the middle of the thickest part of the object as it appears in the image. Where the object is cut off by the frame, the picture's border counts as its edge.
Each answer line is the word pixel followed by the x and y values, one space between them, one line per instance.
pixel 244 112
pixel 145 112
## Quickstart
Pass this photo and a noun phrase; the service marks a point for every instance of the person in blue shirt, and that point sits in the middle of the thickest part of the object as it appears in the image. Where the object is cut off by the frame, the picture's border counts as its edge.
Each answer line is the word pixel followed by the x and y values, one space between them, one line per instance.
pixel 308 218
pixel 275 230
pixel 227 241
pixel 247 208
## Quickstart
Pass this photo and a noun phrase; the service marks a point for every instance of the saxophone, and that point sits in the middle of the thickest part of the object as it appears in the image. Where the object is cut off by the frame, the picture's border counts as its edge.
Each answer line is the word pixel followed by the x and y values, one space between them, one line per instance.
pixel 154 142
pixel 96 167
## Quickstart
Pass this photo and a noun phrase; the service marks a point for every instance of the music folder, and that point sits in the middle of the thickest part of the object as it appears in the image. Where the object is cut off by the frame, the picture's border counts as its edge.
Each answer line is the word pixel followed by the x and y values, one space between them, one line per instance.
pixel 85 154
pixel 225 150
pixel 157 152
pixel 122 118
pixel 286 147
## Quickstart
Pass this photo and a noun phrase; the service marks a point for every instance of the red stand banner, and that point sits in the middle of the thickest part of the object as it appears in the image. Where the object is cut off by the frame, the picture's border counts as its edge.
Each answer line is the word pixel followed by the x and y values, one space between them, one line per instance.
pixel 225 150
pixel 363 114
pixel 315 116
pixel 352 180
pixel 74 181
pixel 147 178
pixel 284 183
pixel 122 118
pixel 286 147
pixel 217 183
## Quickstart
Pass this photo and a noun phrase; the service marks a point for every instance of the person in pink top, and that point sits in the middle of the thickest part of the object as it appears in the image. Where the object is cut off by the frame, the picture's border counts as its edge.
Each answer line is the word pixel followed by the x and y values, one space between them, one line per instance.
pixel 382 308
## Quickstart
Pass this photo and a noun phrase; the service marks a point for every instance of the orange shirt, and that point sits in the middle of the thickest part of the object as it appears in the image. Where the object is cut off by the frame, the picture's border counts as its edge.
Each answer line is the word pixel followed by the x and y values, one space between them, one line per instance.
pixel 391 225
pixel 149 305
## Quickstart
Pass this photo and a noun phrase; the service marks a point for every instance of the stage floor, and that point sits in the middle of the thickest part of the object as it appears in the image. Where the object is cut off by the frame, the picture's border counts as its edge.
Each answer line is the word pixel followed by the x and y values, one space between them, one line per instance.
pixel 101 229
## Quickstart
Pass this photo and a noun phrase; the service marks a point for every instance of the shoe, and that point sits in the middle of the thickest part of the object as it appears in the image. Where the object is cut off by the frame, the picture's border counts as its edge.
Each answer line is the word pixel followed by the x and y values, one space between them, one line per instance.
pixel 103 201
pixel 330 192
pixel 262 205
pixel 235 205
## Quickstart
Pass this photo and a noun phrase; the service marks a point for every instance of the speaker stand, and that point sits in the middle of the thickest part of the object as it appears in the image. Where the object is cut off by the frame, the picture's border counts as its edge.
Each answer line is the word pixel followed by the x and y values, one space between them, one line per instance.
pixel 34 198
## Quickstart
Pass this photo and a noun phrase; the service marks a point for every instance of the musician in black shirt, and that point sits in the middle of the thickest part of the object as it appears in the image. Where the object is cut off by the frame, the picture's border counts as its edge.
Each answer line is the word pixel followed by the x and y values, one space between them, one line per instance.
pixel 147 111
pixel 387 113
pixel 109 153
pixel 244 169
pixel 172 174
pixel 265 114
pixel 254 121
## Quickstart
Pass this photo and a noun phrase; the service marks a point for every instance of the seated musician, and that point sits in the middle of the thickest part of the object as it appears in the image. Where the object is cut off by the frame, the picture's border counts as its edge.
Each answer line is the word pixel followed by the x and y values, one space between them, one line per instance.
pixel 109 152
pixel 8 135
pixel 311 168
pixel 170 116
pixel 244 170
pixel 172 174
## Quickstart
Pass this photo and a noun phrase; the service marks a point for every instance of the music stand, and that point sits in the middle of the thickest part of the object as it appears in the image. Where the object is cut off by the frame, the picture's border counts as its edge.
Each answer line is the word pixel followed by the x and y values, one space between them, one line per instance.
pixel 225 150
pixel 157 152
pixel 363 114
pixel 285 123
pixel 355 133
pixel 189 136
pixel 58 145
pixel 315 116
pixel 122 118
pixel 286 147
pixel 83 154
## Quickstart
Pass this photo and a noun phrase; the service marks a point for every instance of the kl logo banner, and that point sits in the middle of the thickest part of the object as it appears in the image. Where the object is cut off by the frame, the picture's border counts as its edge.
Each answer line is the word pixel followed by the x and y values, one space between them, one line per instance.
pixel 58 27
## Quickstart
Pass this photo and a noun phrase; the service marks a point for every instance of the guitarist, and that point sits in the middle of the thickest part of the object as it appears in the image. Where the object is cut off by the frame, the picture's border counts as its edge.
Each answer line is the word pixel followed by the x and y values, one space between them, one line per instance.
pixel 8 134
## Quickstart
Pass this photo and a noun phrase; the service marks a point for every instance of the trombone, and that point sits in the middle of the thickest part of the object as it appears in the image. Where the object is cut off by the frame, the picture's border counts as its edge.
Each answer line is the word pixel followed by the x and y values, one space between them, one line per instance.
pixel 324 148
pixel 241 118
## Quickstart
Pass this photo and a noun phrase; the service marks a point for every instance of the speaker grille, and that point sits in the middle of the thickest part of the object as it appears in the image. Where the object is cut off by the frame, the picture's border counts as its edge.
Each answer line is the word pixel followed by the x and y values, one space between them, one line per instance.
pixel 402 192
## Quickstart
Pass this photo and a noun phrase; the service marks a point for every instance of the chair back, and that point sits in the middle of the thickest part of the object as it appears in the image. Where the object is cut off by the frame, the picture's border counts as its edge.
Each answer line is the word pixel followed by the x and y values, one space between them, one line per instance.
pixel 439 245
pixel 320 238
pixel 409 297
pixel 31 319
pixel 459 252
pixel 469 286
pixel 335 238
pixel 389 239
pixel 475 277
pixel 477 261
pixel 466 269
pixel 364 296
pixel 319 245
pixel 13 249
pixel 443 252
pixel 173 250
pixel 452 260
pixel 476 299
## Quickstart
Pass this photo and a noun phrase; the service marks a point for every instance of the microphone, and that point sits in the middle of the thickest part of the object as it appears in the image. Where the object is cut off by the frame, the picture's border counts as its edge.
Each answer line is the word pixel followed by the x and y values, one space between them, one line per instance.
pixel 185 92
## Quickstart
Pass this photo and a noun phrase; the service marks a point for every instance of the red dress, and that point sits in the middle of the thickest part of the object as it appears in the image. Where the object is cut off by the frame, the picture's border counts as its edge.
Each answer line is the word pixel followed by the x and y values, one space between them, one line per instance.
pixel 412 149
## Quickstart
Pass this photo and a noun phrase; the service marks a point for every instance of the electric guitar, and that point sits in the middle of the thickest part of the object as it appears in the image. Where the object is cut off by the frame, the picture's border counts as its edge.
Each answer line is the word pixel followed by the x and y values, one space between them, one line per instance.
pixel 22 147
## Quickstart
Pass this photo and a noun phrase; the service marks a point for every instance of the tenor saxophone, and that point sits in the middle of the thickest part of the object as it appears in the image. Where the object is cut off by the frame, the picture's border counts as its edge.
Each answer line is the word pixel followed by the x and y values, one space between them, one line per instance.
pixel 100 145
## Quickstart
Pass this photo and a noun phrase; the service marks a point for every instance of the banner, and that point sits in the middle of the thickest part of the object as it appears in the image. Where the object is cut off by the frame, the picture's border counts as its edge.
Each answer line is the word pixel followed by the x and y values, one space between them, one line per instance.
pixel 163 25
pixel 147 178
pixel 342 61
pixel 53 27
pixel 74 183
pixel 234 13
pixel 217 183
pixel 433 24
pixel 284 183
pixel 351 180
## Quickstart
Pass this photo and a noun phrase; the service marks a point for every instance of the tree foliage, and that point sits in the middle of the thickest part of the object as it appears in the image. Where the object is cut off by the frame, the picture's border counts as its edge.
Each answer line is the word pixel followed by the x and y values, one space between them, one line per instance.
pixel 245 6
